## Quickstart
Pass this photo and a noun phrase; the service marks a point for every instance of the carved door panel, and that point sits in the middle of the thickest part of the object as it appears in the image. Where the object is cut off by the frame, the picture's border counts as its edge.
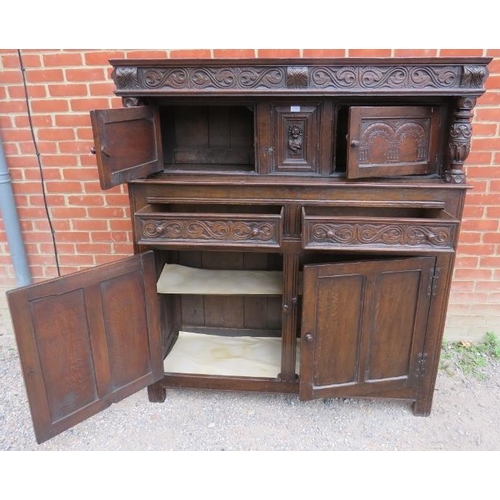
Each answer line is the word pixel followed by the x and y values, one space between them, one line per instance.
pixel 363 327
pixel 392 140
pixel 87 340
pixel 127 144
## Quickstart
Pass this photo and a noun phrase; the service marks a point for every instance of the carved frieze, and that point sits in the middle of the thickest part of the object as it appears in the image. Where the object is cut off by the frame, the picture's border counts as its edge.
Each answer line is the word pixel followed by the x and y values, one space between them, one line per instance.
pixel 337 77
pixel 220 232
pixel 341 234
pixel 385 77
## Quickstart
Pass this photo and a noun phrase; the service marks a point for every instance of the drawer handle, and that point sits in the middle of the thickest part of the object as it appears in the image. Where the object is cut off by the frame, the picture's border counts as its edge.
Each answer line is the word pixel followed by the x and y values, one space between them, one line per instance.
pixel 354 144
pixel 308 338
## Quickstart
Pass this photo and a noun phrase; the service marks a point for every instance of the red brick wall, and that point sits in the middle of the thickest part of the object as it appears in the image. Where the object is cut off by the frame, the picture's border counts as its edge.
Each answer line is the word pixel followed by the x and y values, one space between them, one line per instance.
pixel 93 227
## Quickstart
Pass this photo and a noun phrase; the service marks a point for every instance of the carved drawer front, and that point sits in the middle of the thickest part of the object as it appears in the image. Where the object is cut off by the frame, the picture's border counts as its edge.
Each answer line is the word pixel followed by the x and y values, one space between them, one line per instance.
pixel 392 140
pixel 377 228
pixel 178 226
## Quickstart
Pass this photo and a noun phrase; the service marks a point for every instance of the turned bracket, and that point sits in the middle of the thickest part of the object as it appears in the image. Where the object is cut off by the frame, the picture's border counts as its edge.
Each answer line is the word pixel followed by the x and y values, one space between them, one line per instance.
pixel 459 140
pixel 131 102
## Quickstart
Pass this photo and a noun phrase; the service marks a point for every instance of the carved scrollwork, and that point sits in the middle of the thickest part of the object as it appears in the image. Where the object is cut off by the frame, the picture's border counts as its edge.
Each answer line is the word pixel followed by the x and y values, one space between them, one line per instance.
pixel 206 230
pixel 355 234
pixel 391 77
pixel 335 77
pixel 157 78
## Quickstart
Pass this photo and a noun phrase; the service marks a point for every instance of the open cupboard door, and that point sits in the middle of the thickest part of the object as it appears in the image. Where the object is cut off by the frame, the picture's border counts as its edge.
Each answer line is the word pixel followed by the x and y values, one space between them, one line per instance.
pixel 363 327
pixel 127 144
pixel 87 340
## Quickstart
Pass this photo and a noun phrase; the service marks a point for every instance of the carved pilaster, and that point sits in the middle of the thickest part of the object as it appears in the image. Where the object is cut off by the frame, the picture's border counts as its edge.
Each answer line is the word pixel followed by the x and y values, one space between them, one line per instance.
pixel 459 140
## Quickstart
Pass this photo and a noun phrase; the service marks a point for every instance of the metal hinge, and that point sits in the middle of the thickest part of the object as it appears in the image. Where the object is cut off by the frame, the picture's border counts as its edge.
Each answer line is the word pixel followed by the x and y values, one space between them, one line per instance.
pixel 421 364
pixel 434 275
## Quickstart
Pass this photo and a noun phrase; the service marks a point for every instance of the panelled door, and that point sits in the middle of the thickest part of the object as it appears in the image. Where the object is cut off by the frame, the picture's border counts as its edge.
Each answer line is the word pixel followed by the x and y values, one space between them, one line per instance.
pixel 127 144
pixel 363 327
pixel 392 140
pixel 87 340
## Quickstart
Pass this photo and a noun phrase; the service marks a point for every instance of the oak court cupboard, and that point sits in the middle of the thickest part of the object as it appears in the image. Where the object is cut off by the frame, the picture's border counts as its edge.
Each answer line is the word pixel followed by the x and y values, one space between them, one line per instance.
pixel 295 226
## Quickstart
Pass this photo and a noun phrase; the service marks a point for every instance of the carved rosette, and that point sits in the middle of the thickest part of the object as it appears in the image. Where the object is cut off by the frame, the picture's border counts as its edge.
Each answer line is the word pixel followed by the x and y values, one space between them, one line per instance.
pixel 125 77
pixel 356 234
pixel 474 76
pixel 459 140
pixel 208 231
pixel 297 77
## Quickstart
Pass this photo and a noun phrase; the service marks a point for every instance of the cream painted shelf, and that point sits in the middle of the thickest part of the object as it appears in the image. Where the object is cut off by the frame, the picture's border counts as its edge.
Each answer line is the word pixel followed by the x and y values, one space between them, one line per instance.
pixel 230 356
pixel 176 279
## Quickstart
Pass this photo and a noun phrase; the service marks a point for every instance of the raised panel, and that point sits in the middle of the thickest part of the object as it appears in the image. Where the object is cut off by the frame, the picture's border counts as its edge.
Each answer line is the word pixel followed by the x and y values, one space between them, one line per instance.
pixel 124 320
pixel 296 138
pixel 63 334
pixel 392 140
pixel 393 324
pixel 338 311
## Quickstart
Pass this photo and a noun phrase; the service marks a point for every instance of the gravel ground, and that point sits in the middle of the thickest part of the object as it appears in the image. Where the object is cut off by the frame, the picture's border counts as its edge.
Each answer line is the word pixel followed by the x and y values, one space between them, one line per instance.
pixel 464 417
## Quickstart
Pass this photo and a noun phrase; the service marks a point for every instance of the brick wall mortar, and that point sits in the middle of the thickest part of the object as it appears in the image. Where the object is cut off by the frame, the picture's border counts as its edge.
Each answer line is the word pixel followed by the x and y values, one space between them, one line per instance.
pixel 64 85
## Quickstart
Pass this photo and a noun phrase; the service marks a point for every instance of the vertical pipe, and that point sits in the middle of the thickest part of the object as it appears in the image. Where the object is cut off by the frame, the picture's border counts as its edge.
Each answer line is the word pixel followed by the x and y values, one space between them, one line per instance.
pixel 11 223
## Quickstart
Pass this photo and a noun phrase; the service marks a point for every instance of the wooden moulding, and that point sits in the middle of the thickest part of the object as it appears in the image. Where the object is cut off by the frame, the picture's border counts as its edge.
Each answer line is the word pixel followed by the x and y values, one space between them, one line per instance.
pixel 378 76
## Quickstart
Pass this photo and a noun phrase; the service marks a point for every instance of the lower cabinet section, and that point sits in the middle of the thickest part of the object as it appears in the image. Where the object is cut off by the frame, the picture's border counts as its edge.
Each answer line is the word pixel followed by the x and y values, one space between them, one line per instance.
pixel 316 325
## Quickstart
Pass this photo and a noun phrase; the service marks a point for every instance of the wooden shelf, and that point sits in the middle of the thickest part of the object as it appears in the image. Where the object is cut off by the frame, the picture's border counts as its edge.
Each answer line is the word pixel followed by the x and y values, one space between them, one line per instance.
pixel 176 279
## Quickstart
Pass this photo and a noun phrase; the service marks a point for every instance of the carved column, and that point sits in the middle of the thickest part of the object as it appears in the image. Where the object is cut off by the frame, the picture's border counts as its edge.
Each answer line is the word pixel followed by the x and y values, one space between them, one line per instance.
pixel 459 140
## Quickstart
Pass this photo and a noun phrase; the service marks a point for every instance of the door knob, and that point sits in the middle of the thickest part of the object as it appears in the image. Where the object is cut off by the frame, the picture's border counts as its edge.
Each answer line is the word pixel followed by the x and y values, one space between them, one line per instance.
pixel 308 337
pixel 354 144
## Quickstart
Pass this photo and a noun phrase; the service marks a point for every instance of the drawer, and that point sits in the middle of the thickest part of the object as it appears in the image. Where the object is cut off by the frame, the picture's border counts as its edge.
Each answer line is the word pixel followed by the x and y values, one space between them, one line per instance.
pixel 378 228
pixel 217 226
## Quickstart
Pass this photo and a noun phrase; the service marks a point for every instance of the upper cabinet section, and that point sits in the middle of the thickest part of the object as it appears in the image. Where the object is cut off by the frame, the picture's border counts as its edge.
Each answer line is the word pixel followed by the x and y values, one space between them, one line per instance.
pixel 338 118
pixel 433 76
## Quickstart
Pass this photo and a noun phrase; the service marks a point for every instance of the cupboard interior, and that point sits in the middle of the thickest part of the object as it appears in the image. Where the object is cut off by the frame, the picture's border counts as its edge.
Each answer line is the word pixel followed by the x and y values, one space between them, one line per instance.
pixel 226 310
pixel 217 137
pixel 221 138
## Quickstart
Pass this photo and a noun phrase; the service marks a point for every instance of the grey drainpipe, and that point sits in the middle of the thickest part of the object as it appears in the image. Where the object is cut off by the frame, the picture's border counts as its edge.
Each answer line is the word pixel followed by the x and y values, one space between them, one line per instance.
pixel 11 223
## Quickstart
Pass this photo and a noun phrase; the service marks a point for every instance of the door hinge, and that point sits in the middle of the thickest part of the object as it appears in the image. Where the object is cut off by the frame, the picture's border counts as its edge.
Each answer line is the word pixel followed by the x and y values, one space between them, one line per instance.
pixel 434 275
pixel 421 364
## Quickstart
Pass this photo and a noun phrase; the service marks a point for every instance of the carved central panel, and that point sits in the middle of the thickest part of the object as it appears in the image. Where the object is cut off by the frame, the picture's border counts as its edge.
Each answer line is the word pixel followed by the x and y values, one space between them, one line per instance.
pixel 296 133
pixel 394 140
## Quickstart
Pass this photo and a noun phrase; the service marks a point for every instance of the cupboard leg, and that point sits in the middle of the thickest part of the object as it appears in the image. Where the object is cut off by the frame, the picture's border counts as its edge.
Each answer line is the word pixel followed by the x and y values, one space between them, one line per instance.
pixel 422 408
pixel 157 393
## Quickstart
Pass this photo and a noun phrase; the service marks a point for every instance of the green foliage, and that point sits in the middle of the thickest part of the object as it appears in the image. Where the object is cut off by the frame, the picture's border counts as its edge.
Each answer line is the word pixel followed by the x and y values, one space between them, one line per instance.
pixel 470 358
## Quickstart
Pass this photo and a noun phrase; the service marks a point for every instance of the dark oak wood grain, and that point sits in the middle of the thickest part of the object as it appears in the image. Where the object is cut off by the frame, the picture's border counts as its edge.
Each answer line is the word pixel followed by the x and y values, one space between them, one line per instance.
pixel 87 340
pixel 344 175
